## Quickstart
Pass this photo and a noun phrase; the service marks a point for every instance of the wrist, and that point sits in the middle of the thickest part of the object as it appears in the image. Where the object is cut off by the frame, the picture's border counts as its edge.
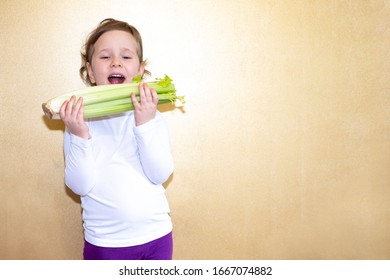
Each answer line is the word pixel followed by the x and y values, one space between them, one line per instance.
pixel 81 134
pixel 85 137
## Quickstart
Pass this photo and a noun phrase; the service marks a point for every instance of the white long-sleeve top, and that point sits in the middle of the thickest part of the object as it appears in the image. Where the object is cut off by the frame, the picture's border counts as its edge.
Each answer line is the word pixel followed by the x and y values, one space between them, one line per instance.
pixel 118 174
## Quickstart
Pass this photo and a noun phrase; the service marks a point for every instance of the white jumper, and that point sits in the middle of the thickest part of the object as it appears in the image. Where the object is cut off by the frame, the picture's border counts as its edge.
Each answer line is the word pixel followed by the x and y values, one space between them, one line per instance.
pixel 118 173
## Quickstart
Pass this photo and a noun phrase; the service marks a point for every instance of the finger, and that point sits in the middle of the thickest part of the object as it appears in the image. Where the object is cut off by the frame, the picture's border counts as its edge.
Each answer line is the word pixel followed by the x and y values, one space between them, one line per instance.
pixel 69 107
pixel 154 96
pixel 63 108
pixel 80 113
pixel 142 97
pixel 77 107
pixel 148 95
pixel 134 100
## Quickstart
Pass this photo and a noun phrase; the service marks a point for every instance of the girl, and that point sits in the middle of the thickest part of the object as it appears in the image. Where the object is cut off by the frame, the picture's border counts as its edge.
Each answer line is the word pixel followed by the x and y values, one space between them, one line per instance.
pixel 117 164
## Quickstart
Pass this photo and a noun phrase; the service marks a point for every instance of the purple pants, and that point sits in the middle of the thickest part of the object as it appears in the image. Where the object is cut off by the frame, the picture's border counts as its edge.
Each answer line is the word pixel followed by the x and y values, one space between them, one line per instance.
pixel 159 249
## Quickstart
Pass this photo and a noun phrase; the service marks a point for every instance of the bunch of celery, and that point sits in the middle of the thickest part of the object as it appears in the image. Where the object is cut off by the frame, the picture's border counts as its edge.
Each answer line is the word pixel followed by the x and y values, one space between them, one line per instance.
pixel 107 100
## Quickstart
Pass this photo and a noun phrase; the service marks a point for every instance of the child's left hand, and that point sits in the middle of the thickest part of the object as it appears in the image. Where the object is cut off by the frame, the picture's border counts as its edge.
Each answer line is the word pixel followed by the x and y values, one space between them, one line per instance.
pixel 145 109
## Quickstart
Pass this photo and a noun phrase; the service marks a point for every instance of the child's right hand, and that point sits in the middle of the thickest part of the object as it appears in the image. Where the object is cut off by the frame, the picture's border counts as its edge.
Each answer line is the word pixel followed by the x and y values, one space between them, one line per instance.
pixel 72 116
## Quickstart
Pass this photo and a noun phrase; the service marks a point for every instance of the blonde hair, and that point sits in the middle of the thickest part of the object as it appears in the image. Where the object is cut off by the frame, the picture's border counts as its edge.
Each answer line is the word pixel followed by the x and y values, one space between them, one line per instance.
pixel 108 24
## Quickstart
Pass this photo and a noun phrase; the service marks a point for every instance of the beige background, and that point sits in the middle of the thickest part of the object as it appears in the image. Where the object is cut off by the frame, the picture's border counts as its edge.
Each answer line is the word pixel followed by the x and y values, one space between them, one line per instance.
pixel 282 150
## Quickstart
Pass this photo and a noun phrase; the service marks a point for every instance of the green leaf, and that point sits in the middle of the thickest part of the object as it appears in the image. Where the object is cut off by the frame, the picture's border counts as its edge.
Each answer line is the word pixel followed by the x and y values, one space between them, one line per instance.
pixel 166 81
pixel 137 79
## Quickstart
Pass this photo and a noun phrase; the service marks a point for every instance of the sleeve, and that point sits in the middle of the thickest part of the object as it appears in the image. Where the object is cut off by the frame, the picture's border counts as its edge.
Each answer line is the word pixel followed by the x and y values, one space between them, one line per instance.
pixel 154 149
pixel 79 172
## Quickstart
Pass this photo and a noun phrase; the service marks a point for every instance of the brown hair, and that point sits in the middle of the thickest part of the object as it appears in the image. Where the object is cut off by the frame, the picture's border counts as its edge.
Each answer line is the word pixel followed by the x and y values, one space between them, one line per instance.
pixel 108 24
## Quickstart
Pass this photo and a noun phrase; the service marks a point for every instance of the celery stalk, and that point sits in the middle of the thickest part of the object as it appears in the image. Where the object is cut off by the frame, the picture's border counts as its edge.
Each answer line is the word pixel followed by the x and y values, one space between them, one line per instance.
pixel 111 99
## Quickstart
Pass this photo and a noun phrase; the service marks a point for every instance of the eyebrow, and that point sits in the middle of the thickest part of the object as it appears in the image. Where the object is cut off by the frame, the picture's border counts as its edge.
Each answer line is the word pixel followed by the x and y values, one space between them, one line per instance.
pixel 123 49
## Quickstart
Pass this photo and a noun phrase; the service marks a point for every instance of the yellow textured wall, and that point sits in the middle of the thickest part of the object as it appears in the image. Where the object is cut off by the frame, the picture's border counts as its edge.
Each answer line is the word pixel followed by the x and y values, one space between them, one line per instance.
pixel 283 148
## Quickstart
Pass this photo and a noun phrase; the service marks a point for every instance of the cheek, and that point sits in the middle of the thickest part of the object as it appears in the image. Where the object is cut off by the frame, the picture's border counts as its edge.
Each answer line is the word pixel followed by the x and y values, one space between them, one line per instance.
pixel 91 75
pixel 133 69
pixel 96 72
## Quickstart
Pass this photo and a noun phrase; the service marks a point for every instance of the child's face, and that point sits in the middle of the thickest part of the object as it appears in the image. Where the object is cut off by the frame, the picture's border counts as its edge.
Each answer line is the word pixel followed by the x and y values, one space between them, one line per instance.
pixel 115 59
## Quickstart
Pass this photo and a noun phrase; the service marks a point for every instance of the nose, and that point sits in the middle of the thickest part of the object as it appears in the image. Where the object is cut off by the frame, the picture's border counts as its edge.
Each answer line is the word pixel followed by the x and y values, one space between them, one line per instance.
pixel 116 62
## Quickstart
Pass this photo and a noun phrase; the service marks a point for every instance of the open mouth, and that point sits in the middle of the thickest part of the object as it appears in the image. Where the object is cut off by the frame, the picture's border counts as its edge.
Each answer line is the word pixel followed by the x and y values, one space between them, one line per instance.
pixel 116 79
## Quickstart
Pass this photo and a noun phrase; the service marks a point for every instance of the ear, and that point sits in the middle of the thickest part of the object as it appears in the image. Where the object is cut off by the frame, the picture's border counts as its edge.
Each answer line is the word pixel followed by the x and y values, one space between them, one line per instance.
pixel 90 73
pixel 141 70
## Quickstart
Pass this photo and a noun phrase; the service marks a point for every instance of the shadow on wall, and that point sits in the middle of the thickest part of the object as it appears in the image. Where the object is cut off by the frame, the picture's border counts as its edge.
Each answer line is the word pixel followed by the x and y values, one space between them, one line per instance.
pixel 53 125
pixel 56 125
